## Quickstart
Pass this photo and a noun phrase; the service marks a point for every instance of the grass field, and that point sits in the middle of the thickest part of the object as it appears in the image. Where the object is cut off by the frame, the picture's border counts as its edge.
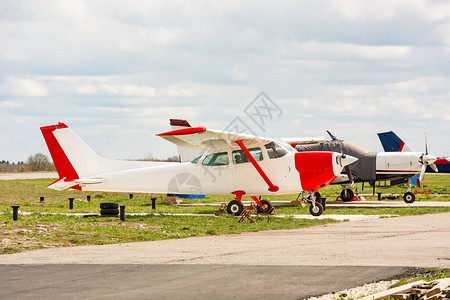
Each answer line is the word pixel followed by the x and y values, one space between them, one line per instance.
pixel 39 230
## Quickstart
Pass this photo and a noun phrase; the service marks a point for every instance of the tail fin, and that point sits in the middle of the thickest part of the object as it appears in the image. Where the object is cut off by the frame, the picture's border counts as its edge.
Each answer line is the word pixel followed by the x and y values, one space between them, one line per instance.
pixel 73 159
pixel 392 143
pixel 185 154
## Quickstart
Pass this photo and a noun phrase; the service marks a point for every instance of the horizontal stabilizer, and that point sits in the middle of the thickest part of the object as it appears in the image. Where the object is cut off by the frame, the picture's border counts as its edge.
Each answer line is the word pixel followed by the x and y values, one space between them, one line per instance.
pixel 63 183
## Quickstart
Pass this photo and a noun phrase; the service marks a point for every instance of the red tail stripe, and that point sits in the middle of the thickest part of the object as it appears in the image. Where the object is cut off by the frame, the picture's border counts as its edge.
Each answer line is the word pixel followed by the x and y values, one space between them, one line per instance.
pixel 442 161
pixel 62 163
pixel 401 147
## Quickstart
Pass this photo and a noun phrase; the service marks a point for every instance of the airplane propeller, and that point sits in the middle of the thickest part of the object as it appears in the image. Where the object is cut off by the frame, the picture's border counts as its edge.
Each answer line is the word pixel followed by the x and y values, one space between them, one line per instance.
pixel 347 167
pixel 427 160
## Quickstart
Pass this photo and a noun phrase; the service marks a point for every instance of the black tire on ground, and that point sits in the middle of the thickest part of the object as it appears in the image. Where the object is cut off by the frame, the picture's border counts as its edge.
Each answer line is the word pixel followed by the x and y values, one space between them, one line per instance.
pixel 409 197
pixel 347 194
pixel 266 207
pixel 109 205
pixel 109 211
pixel 316 210
pixel 235 207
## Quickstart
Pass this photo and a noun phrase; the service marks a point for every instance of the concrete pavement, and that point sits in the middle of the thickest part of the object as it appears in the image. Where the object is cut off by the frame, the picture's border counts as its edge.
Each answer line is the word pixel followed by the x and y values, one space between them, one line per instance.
pixel 282 264
pixel 416 241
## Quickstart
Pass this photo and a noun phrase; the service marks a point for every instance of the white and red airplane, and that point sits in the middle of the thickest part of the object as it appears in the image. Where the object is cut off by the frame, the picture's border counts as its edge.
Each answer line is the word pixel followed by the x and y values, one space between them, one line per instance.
pixel 233 164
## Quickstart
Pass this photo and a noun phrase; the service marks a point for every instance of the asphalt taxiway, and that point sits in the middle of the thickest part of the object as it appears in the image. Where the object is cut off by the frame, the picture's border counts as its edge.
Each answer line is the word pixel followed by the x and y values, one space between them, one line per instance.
pixel 282 264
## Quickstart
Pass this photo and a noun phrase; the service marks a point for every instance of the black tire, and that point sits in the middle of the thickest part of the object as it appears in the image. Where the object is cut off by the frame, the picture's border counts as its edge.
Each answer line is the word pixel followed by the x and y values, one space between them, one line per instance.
pixel 109 211
pixel 318 196
pixel 409 197
pixel 235 207
pixel 316 210
pixel 266 207
pixel 347 195
pixel 109 205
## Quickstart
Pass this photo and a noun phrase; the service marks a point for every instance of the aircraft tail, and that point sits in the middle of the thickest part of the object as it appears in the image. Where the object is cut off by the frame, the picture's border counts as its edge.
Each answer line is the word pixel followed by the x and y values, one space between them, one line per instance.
pixel 392 143
pixel 73 159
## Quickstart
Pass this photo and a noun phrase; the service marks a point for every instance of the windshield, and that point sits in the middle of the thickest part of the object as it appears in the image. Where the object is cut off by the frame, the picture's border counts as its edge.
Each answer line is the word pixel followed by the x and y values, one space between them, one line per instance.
pixel 275 150
pixel 195 160
pixel 216 159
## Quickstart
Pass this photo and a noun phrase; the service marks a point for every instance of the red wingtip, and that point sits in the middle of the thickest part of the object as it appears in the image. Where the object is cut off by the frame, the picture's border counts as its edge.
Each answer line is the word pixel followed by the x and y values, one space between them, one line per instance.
pixel 184 131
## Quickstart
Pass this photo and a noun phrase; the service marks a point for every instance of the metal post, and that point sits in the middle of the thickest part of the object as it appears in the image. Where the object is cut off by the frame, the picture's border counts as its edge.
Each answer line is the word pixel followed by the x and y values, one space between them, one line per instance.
pixel 71 203
pixel 379 196
pixel 88 197
pixel 41 199
pixel 15 212
pixel 153 202
pixel 122 212
pixel 131 196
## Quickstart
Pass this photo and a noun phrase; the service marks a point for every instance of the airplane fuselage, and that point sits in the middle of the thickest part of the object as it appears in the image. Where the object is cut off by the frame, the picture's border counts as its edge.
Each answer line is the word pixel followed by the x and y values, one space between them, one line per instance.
pixel 397 164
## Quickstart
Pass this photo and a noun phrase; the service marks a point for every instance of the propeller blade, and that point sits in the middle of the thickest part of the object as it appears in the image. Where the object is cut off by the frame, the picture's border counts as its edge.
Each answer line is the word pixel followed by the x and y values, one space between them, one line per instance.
pixel 433 166
pixel 333 137
pixel 426 143
pixel 422 172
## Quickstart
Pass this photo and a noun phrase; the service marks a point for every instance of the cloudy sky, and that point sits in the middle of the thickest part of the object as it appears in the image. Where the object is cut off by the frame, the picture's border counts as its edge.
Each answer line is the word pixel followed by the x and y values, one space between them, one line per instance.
pixel 116 71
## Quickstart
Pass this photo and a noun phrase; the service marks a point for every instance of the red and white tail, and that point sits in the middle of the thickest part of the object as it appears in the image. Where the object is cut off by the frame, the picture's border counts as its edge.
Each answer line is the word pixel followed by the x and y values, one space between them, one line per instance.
pixel 73 159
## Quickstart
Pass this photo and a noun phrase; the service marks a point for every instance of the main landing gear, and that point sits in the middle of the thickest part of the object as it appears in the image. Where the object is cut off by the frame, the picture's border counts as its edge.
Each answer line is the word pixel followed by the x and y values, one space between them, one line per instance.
pixel 235 207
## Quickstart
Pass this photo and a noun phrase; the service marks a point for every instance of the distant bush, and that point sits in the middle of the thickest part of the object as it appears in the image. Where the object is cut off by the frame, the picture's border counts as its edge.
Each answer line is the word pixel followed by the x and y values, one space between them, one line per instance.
pixel 35 163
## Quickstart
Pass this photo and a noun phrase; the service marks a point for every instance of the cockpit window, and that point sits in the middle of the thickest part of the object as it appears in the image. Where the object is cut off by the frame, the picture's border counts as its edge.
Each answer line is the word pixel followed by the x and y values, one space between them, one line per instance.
pixel 216 159
pixel 275 151
pixel 195 160
pixel 239 155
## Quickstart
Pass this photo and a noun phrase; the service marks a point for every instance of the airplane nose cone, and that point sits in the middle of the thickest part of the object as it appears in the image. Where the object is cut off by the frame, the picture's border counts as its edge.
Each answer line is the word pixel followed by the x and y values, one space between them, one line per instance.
pixel 347 160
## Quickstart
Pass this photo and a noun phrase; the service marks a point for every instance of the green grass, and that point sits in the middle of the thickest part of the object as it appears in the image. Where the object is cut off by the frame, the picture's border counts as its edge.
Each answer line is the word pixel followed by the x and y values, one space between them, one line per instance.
pixel 40 230
pixel 429 275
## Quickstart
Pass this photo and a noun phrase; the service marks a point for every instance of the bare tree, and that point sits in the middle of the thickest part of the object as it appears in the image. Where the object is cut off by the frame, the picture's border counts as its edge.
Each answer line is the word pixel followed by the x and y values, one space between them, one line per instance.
pixel 38 162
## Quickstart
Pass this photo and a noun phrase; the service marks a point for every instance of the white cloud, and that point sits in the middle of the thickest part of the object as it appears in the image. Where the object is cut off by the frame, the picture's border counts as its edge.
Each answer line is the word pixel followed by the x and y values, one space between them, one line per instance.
pixel 23 87
pixel 11 104
pixel 132 65
pixel 338 51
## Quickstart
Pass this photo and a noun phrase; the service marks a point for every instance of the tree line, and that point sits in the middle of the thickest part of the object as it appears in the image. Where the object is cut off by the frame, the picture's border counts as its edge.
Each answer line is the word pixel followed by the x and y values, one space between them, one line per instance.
pixel 35 163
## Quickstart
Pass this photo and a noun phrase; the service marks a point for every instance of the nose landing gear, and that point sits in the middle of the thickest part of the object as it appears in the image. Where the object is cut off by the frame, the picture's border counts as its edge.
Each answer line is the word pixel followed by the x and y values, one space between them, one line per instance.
pixel 317 204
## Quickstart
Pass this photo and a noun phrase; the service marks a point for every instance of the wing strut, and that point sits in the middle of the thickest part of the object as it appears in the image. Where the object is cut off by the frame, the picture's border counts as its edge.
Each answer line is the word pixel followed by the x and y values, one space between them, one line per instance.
pixel 272 187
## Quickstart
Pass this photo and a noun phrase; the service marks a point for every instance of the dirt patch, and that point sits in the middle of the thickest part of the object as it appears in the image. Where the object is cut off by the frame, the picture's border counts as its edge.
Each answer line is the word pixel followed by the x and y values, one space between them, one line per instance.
pixel 16 240
pixel 143 226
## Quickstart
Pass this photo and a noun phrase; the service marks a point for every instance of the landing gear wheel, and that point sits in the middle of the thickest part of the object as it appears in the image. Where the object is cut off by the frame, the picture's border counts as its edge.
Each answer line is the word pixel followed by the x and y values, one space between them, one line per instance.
pixel 409 197
pixel 235 207
pixel 316 210
pixel 347 195
pixel 266 207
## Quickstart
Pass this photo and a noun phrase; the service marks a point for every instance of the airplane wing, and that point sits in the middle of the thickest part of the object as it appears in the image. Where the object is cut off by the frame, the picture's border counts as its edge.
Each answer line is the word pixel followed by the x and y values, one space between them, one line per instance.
pixel 209 139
